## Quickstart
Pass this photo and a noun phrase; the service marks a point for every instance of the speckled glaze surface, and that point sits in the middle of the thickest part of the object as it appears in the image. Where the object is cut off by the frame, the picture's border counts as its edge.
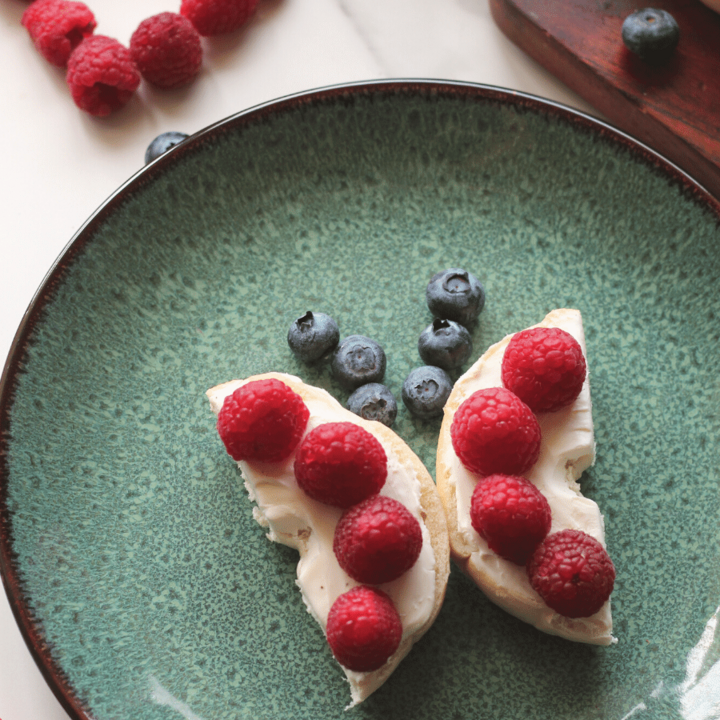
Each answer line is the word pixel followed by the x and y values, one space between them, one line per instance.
pixel 136 571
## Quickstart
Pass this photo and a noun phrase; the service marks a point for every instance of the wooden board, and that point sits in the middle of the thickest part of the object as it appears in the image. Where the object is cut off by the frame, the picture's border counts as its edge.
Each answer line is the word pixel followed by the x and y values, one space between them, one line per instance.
pixel 675 108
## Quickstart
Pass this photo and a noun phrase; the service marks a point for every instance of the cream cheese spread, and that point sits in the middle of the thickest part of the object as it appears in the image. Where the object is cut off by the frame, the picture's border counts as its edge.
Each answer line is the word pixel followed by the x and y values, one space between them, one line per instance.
pixel 294 519
pixel 567 449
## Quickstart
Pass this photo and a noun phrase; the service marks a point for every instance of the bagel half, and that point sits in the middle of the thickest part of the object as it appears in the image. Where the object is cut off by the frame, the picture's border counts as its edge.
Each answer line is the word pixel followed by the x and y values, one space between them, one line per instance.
pixel 295 520
pixel 567 449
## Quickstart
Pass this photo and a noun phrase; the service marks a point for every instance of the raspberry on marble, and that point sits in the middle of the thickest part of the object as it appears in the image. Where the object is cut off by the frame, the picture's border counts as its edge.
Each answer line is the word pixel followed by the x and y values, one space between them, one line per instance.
pixel 101 75
pixel 57 27
pixel 167 50
pixel 217 17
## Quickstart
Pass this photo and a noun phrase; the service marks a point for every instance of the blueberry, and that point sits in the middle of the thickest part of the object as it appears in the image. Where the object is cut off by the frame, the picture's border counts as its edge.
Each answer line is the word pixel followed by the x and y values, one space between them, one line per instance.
pixel 455 294
pixel 162 143
pixel 426 390
pixel 358 360
pixel 445 343
pixel 651 34
pixel 374 402
pixel 312 336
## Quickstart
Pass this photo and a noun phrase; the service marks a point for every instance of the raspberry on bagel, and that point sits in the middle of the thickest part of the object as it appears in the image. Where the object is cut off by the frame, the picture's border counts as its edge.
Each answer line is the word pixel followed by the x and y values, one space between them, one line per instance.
pixel 413 580
pixel 567 448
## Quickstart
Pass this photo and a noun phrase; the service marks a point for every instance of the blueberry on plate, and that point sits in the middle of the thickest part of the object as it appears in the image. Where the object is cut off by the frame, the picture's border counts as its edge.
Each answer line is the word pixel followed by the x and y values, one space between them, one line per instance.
pixel 455 294
pixel 426 390
pixel 358 360
pixel 651 34
pixel 162 143
pixel 374 401
pixel 313 335
pixel 445 344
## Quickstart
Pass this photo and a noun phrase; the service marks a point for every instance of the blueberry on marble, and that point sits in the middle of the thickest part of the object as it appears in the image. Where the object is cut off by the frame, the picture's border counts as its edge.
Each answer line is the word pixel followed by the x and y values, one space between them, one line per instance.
pixel 445 344
pixel 651 34
pixel 455 294
pixel 426 390
pixel 358 360
pixel 374 401
pixel 162 143
pixel 312 336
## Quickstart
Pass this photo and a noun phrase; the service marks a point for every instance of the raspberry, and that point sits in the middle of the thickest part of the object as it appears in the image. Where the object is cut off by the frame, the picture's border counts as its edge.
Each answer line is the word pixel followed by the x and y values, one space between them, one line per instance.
pixel 262 420
pixel 363 629
pixel 215 17
pixel 377 540
pixel 572 573
pixel 545 368
pixel 340 464
pixel 511 514
pixel 167 50
pixel 493 431
pixel 57 27
pixel 101 75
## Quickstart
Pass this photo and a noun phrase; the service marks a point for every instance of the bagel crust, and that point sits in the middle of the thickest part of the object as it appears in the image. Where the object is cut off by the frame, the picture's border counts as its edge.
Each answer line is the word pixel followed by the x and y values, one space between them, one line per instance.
pixel 567 449
pixel 309 529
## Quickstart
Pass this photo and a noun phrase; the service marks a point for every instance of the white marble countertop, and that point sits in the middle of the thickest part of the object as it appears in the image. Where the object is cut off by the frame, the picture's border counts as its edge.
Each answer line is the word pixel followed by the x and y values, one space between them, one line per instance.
pixel 60 164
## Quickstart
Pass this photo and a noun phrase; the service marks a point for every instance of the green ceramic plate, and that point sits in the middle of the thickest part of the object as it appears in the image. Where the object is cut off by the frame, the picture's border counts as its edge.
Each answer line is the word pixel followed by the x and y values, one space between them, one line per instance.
pixel 137 574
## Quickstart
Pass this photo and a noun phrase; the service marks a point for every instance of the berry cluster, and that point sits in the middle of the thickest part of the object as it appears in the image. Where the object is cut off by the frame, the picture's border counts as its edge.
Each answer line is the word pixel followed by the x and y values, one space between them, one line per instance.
pixel 103 74
pixel 376 539
pixel 357 363
pixel 496 436
pixel 455 298
pixel 343 465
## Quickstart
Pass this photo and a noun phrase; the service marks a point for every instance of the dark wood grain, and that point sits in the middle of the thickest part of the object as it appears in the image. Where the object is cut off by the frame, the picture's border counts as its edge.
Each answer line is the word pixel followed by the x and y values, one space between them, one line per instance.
pixel 674 108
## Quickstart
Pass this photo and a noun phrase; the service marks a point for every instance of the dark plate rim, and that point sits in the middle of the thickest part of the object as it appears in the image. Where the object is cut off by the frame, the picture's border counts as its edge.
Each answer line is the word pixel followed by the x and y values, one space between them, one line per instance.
pixel 29 626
